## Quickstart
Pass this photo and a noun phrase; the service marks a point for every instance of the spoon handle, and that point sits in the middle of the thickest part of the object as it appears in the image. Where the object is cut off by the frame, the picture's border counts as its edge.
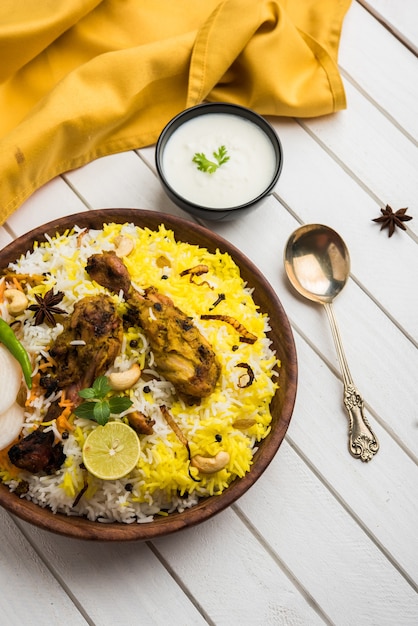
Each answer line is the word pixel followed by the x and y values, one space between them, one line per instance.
pixel 362 443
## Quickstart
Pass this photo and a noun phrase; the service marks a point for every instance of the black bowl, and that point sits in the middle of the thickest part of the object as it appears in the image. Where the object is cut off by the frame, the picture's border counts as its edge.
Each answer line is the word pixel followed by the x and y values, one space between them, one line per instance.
pixel 222 212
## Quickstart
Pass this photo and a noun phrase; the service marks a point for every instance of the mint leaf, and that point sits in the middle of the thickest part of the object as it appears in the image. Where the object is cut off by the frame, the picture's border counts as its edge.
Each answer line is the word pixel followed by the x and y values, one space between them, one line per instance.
pixel 101 412
pixel 97 411
pixel 87 393
pixel 85 410
pixel 101 387
pixel 96 407
pixel 119 405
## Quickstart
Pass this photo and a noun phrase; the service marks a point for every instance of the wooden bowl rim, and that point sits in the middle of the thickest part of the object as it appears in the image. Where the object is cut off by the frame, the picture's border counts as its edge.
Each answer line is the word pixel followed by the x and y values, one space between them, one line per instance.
pixel 281 335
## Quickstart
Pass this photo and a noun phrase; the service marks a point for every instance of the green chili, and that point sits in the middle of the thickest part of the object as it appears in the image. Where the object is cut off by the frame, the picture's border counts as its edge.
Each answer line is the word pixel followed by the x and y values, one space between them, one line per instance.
pixel 9 339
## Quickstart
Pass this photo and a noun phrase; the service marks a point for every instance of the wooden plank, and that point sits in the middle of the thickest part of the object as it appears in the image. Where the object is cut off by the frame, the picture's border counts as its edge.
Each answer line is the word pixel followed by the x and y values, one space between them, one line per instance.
pixel 121 181
pixel 378 493
pixel 323 547
pixel 114 583
pixel 373 149
pixel 5 237
pixel 234 578
pixel 208 561
pixel 401 18
pixel 370 57
pixel 53 200
pixel 30 592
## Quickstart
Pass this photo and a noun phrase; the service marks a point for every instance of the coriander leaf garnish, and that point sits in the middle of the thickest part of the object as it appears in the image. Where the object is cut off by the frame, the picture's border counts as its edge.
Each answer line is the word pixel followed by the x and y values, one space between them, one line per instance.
pixel 205 165
pixel 221 156
pixel 96 407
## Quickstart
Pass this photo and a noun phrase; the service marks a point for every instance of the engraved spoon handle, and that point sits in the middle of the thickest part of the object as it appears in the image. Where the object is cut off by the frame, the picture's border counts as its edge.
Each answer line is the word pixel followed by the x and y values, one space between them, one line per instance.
pixel 362 443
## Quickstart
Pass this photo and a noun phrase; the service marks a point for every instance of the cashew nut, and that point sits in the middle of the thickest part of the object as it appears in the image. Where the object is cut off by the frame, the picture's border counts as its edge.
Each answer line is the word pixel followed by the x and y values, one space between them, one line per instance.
pixel 210 464
pixel 124 246
pixel 18 302
pixel 124 380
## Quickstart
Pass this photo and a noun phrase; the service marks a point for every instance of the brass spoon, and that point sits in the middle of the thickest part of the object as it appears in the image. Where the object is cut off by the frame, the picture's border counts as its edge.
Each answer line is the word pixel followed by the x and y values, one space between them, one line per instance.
pixel 317 264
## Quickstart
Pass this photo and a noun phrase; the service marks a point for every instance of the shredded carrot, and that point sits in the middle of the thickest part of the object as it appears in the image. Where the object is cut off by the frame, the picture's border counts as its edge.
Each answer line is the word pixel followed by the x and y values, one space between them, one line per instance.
pixel 2 290
pixel 34 392
pixel 31 279
pixel 16 283
pixel 63 400
pixel 63 422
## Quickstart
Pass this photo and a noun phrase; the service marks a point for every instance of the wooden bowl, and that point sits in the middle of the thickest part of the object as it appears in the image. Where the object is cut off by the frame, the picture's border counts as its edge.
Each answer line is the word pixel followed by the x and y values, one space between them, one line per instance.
pixel 281 407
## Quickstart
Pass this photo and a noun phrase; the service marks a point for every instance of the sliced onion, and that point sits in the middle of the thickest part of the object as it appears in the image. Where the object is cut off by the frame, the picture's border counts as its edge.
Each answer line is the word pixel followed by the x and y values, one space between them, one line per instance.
pixel 11 422
pixel 10 379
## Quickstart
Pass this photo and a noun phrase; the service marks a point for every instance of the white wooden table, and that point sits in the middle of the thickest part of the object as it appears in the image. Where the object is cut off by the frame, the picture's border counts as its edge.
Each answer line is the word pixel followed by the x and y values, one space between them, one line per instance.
pixel 321 537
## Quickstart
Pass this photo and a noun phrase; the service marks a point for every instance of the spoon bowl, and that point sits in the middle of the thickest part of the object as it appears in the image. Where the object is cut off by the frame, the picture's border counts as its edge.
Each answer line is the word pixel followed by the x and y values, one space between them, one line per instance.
pixel 317 263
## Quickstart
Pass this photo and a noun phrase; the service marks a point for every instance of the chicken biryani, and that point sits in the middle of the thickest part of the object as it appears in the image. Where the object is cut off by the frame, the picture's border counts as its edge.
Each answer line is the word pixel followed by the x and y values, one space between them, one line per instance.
pixel 148 375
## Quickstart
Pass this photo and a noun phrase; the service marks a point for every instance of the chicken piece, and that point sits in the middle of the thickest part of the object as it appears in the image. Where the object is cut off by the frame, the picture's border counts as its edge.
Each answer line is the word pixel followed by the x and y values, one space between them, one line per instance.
pixel 182 354
pixel 108 270
pixel 37 453
pixel 97 330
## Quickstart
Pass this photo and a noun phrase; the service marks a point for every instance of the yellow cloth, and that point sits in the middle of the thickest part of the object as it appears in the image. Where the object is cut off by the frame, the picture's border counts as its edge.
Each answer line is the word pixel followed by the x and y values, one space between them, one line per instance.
pixel 80 79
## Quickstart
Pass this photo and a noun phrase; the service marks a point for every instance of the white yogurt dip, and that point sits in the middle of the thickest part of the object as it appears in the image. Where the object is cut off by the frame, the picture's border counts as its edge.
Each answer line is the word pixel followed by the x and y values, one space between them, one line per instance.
pixel 248 172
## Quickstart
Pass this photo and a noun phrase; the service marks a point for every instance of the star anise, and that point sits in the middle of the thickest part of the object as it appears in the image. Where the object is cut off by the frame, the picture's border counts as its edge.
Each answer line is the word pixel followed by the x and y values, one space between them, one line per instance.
pixel 46 307
pixel 391 220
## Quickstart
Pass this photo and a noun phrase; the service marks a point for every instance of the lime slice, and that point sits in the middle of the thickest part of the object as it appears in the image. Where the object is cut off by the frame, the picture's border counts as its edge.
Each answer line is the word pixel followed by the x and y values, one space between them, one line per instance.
pixel 111 451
